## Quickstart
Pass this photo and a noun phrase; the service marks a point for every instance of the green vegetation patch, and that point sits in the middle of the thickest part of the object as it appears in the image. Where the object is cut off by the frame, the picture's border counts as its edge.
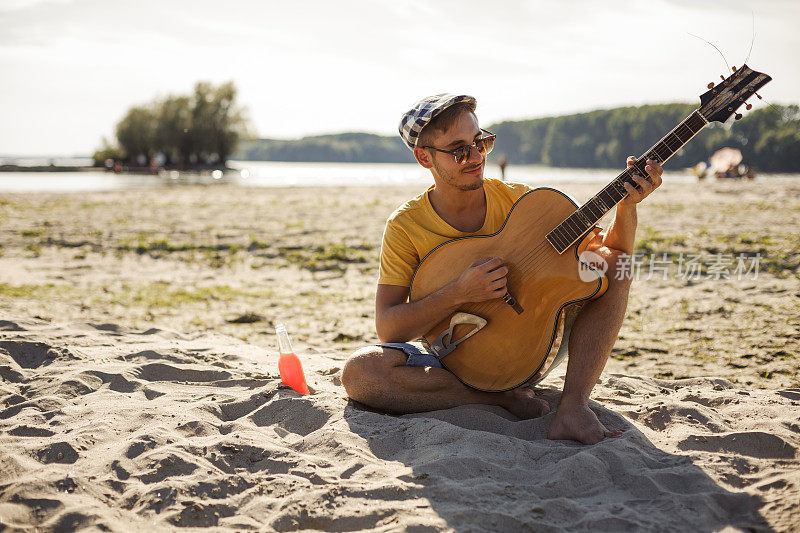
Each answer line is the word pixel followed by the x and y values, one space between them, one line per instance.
pixel 325 257
pixel 165 295
pixel 142 243
pixel 652 241
pixel 775 253
pixel 34 292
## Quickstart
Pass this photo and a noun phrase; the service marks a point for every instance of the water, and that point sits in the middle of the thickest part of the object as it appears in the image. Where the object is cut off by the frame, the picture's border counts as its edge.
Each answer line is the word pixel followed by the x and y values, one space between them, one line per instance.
pixel 35 161
pixel 279 174
pixel 82 181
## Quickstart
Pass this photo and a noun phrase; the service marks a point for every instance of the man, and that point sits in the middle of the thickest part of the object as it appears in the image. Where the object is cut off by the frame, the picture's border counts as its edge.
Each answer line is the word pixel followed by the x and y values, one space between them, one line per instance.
pixel 398 377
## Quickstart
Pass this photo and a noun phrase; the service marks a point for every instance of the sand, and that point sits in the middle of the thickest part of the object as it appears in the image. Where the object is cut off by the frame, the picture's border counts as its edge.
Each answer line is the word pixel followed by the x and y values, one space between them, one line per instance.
pixel 139 386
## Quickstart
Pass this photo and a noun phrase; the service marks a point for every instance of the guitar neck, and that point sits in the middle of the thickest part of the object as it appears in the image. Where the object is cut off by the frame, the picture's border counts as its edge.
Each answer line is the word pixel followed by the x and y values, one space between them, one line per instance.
pixel 586 217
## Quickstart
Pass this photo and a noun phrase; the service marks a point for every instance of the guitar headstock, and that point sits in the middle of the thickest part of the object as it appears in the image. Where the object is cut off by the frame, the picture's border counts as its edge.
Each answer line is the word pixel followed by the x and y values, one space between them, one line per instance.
pixel 722 101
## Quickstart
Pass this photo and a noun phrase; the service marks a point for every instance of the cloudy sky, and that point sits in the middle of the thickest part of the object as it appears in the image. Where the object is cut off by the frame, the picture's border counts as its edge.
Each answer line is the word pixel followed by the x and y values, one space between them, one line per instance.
pixel 71 68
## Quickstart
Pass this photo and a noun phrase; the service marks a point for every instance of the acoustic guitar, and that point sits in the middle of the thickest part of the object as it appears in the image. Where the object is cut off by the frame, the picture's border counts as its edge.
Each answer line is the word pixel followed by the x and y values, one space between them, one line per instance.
pixel 501 344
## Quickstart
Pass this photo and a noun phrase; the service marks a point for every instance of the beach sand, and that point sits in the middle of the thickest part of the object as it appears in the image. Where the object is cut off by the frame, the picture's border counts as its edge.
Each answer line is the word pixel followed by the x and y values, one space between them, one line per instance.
pixel 139 386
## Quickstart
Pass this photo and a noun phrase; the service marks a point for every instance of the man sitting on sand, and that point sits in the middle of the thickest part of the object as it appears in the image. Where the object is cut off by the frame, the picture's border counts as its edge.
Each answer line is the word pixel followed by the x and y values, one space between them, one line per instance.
pixel 398 377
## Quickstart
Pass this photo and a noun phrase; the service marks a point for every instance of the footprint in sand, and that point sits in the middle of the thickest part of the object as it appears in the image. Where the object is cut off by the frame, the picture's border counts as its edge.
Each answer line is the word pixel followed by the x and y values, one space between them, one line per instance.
pixel 752 443
pixel 33 354
pixel 164 372
pixel 58 452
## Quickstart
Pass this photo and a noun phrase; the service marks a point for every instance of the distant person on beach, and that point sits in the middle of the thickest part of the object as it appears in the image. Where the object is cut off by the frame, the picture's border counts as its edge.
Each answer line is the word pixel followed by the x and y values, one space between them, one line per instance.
pixel 502 164
pixel 400 377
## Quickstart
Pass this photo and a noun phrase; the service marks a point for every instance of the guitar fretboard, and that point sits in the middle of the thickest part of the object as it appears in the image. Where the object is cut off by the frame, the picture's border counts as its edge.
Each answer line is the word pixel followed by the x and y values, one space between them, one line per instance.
pixel 583 219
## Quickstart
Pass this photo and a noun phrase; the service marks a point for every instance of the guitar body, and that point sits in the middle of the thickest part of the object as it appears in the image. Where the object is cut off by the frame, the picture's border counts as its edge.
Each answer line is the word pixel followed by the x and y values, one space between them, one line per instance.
pixel 512 346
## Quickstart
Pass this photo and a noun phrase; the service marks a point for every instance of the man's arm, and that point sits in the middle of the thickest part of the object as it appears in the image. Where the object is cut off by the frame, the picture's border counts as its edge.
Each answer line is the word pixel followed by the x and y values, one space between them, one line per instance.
pixel 397 320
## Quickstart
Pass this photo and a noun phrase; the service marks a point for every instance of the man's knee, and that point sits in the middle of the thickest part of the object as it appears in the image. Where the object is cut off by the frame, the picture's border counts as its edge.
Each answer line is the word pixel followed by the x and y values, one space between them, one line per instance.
pixel 356 367
pixel 364 370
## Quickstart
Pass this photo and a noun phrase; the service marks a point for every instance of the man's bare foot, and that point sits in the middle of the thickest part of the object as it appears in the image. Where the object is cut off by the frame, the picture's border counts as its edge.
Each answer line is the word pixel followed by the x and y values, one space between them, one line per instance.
pixel 578 422
pixel 523 403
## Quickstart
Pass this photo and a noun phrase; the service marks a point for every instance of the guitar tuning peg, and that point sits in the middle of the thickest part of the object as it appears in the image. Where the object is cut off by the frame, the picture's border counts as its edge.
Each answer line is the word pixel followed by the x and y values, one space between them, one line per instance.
pixel 711 85
pixel 758 96
pixel 733 68
pixel 737 116
pixel 722 77
pixel 749 107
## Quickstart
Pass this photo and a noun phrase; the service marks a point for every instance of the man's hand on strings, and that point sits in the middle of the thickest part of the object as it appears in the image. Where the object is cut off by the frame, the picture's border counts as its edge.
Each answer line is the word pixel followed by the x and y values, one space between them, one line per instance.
pixel 485 279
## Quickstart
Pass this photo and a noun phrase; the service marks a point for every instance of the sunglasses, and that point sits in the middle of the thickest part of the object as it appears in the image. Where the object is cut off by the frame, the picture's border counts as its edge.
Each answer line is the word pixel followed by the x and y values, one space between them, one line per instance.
pixel 484 145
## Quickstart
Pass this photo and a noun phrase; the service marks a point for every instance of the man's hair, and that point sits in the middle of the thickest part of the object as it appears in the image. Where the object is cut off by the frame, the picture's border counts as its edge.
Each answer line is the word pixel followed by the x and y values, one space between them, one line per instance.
pixel 443 122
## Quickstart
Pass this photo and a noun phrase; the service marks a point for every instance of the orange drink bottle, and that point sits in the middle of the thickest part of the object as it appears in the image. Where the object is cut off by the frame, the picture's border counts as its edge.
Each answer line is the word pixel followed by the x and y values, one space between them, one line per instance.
pixel 289 365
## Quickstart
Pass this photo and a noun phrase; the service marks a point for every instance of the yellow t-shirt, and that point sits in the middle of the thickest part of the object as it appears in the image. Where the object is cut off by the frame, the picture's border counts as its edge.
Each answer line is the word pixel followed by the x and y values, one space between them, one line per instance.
pixel 415 229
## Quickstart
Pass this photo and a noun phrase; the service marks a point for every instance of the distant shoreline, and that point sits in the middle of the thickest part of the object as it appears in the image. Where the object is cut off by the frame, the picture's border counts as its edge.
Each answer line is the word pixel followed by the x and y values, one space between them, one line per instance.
pixel 125 169
pixel 49 168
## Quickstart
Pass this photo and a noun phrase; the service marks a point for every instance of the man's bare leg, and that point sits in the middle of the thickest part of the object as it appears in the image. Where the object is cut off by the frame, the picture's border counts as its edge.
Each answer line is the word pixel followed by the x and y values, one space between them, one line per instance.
pixel 593 336
pixel 379 377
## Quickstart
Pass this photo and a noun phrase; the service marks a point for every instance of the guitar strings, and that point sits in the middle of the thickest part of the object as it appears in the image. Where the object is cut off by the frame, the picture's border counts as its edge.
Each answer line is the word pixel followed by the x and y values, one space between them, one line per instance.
pixel 654 150
pixel 533 261
pixel 715 48
pixel 530 266
pixel 529 269
pixel 753 40
pixel 527 266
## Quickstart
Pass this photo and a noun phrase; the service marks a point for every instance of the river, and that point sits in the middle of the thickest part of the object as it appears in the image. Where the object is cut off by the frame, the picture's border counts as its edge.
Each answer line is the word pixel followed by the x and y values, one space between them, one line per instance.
pixel 283 174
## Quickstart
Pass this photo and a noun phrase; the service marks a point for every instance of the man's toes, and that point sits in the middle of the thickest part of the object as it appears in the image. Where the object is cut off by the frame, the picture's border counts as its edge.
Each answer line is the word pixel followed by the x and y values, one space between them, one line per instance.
pixel 544 407
pixel 534 408
pixel 592 437
pixel 614 433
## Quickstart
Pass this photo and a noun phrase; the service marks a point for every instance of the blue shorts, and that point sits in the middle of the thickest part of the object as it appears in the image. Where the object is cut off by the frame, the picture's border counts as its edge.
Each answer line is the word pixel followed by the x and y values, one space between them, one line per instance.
pixel 417 355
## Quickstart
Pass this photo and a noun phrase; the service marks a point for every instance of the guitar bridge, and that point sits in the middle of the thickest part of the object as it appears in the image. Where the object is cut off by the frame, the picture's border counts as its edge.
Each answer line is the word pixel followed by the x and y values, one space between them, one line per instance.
pixel 510 300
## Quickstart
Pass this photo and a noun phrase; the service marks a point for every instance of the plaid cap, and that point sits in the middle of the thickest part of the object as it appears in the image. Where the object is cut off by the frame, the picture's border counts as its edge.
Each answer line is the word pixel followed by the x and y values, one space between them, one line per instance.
pixel 423 112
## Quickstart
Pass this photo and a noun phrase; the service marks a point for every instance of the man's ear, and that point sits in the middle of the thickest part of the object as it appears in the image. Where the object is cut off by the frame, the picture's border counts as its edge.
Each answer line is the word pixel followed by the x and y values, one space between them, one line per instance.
pixel 423 157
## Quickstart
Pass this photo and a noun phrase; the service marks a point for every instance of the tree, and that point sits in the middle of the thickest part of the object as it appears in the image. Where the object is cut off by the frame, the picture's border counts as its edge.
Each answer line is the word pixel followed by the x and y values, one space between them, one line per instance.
pixel 217 123
pixel 136 133
pixel 173 128
pixel 201 129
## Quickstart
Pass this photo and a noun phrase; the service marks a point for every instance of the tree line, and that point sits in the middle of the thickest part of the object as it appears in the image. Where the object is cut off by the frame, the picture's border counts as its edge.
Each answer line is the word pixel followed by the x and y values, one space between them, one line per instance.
pixel 339 147
pixel 769 139
pixel 207 127
pixel 198 130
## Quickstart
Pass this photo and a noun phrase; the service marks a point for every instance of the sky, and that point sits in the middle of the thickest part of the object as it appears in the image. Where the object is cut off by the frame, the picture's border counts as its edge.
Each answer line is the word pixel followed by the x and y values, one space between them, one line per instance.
pixel 70 69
